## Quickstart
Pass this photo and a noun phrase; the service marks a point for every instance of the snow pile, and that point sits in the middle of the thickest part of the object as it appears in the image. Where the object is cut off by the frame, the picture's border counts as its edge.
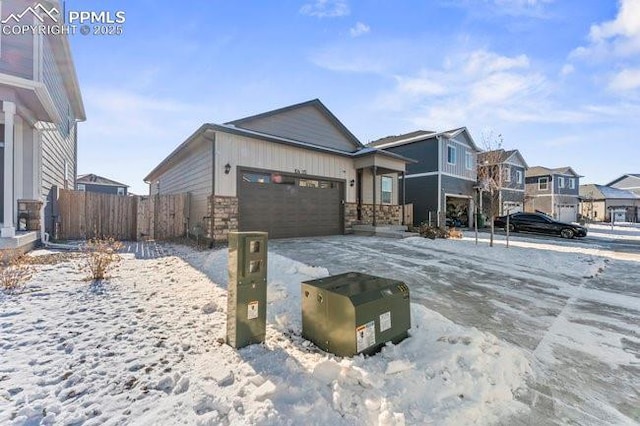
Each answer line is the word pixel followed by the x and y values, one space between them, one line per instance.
pixel 147 347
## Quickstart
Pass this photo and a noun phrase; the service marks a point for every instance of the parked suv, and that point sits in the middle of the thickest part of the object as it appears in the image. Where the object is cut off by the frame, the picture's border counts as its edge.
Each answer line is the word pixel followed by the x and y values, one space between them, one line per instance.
pixel 541 224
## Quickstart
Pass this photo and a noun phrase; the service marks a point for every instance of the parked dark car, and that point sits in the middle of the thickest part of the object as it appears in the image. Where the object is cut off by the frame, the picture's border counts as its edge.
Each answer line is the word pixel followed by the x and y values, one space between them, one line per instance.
pixel 541 224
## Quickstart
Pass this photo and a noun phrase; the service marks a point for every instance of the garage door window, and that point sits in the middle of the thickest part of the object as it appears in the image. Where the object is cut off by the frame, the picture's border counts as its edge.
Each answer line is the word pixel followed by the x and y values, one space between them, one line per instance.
pixel 315 183
pixel 256 177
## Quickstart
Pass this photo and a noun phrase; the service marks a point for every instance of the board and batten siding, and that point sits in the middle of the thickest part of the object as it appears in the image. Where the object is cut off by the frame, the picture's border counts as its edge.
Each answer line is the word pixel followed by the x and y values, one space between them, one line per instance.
pixel 304 124
pixel 240 151
pixel 367 187
pixel 191 172
pixel 460 167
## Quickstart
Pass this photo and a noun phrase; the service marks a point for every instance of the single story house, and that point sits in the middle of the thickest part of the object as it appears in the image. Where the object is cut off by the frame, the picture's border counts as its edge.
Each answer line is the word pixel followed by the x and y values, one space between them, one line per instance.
pixel 629 182
pixel 293 172
pixel 604 203
pixel 94 183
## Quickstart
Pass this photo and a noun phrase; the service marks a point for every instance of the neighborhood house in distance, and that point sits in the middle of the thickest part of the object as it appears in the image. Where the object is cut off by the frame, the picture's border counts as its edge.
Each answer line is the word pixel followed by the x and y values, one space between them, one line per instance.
pixel 553 191
pixel 95 183
pixel 41 105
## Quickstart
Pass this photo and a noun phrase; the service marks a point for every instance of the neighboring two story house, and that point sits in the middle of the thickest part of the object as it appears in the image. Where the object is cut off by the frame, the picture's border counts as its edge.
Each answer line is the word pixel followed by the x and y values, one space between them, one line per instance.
pixel 95 183
pixel 41 105
pixel 508 167
pixel 553 191
pixel 605 203
pixel 629 182
pixel 442 182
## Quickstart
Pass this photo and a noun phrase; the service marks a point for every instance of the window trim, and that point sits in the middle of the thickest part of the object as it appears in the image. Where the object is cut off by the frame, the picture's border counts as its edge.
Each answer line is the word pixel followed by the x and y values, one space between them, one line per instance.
pixel 81 187
pixel 120 190
pixel 383 192
pixel 544 179
pixel 455 154
pixel 469 160
pixel 572 183
pixel 507 173
pixel 561 182
pixel 519 177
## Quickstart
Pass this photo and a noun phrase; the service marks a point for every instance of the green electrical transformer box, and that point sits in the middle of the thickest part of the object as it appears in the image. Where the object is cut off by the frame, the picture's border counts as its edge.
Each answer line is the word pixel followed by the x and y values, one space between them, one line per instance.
pixel 247 288
pixel 355 313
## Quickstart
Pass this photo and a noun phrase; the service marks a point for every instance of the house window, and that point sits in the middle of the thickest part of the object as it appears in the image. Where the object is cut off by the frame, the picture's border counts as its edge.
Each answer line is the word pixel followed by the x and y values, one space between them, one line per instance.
pixel 543 183
pixel 387 185
pixel 451 154
pixel 572 183
pixel 81 187
pixel 507 174
pixel 560 182
pixel 519 176
pixel 120 190
pixel 469 161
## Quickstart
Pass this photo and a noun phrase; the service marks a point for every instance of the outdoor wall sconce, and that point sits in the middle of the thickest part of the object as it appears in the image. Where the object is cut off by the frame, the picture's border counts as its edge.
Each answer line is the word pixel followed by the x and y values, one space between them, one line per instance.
pixel 352 182
pixel 227 168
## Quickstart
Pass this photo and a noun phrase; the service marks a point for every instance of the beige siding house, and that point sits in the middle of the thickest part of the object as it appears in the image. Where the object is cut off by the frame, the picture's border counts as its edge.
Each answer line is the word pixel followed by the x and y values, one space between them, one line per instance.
pixel 41 105
pixel 294 171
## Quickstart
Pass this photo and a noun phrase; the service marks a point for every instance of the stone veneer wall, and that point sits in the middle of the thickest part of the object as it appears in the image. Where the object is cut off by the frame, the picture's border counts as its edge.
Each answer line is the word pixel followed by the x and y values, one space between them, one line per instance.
pixel 224 211
pixel 385 215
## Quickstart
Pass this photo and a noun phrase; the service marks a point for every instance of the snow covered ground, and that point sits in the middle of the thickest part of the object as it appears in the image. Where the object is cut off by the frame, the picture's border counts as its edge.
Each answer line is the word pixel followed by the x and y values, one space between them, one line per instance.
pixel 145 347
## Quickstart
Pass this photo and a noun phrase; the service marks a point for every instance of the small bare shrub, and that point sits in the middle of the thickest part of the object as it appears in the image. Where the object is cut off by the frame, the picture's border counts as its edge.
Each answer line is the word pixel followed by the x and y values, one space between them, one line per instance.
pixel 15 271
pixel 454 233
pixel 101 254
pixel 432 232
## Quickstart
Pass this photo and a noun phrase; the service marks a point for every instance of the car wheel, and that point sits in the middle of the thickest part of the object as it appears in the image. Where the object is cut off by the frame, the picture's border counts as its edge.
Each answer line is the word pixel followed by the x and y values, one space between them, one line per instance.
pixel 510 228
pixel 567 233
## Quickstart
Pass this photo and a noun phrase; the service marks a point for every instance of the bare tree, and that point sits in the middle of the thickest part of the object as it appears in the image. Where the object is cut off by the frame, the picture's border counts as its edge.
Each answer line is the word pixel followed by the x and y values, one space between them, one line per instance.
pixel 490 176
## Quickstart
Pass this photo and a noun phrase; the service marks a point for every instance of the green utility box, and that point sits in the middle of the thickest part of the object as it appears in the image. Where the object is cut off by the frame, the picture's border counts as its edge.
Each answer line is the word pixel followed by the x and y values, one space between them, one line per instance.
pixel 247 289
pixel 355 313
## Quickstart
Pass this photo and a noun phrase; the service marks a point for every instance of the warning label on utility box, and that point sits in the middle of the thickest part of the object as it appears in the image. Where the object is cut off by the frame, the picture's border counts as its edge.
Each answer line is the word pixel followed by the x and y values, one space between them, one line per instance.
pixel 252 310
pixel 385 321
pixel 365 336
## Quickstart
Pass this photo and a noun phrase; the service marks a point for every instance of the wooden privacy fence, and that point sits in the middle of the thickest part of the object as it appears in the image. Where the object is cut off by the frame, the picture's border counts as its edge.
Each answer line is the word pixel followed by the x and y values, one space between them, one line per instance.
pixel 84 215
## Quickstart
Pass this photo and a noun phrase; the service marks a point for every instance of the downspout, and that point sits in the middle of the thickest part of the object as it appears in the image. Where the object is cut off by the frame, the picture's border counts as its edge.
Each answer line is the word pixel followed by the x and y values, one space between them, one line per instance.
pixel 553 197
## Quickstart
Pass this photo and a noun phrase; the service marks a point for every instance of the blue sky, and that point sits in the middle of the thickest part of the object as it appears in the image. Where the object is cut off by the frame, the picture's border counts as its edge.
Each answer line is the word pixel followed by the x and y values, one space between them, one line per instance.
pixel 559 79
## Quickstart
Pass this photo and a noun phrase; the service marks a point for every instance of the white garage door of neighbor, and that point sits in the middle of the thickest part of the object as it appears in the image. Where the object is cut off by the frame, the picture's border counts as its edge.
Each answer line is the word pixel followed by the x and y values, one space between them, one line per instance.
pixel 567 213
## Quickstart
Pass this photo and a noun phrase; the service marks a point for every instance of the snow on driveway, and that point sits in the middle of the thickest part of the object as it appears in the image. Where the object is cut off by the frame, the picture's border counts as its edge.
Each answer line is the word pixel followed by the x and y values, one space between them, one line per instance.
pixel 572 306
pixel 146 347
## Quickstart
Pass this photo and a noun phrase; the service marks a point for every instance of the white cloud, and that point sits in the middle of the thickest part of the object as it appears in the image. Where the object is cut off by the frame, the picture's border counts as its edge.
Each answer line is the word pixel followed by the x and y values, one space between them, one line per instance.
pixel 359 29
pixel 530 8
pixel 326 8
pixel 485 62
pixel 567 69
pixel 625 80
pixel 618 38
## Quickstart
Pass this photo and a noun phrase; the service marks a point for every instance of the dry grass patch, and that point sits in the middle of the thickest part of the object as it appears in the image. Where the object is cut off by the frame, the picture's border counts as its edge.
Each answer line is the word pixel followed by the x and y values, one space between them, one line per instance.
pixel 101 254
pixel 15 271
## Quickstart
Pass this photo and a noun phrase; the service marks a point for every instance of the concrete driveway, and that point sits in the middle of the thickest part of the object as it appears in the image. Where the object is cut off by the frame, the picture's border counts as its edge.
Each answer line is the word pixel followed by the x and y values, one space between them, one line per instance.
pixel 572 306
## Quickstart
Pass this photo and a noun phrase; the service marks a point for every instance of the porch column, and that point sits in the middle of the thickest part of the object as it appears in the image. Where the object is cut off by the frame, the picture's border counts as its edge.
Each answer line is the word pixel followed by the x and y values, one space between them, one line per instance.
pixel 402 175
pixel 8 225
pixel 375 172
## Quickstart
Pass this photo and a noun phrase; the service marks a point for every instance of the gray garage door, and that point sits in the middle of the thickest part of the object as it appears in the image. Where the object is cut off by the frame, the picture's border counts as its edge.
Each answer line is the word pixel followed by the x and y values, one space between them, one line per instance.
pixel 289 206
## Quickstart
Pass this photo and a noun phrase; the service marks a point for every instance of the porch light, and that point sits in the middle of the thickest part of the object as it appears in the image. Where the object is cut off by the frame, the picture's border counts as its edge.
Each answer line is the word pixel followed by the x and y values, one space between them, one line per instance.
pixel 227 168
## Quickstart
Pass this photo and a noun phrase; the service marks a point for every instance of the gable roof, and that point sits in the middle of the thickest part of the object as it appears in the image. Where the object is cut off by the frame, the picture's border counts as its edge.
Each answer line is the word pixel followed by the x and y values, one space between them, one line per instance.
pixel 602 192
pixel 284 122
pixel 503 156
pixel 631 175
pixel 421 135
pixel 93 179
pixel 544 171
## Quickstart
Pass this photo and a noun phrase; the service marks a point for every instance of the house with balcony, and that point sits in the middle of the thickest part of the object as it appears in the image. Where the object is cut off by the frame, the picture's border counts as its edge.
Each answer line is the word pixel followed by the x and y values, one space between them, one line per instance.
pixel 508 169
pixel 441 183
pixel 555 192
pixel 41 105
